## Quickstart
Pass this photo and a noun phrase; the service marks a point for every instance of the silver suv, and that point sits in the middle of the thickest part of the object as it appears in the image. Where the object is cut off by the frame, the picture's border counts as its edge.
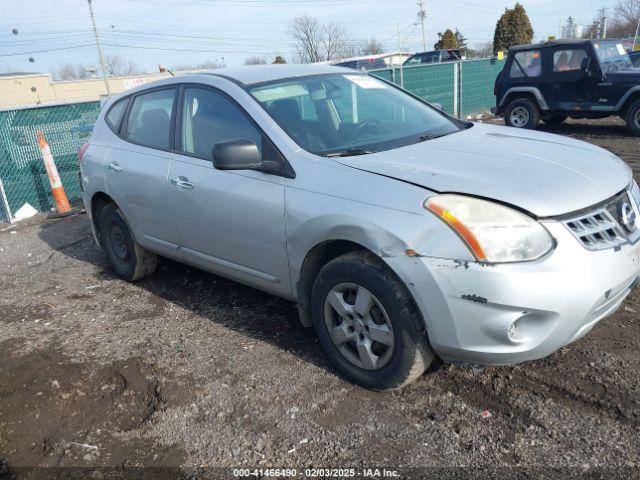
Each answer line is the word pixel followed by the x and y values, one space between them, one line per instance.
pixel 400 232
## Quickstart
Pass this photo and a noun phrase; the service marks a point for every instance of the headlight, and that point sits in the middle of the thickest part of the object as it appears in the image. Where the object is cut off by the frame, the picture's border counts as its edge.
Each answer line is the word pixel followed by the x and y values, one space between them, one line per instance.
pixel 493 232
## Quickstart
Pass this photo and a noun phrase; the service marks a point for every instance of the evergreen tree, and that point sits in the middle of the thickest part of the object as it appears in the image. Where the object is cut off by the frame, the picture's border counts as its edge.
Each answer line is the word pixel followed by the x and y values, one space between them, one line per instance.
pixel 513 28
pixel 460 39
pixel 447 40
pixel 279 60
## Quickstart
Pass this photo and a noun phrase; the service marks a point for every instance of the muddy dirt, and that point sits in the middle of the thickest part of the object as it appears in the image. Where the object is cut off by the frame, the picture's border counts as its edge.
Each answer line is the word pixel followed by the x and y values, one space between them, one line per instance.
pixel 194 373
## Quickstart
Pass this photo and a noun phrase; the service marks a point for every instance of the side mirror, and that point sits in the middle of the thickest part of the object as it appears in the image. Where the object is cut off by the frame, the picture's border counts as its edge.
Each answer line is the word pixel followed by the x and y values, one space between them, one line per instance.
pixel 236 155
pixel 243 154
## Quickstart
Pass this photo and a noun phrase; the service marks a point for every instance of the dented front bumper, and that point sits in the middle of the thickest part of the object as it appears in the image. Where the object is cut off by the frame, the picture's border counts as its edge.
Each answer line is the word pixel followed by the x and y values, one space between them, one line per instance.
pixel 485 314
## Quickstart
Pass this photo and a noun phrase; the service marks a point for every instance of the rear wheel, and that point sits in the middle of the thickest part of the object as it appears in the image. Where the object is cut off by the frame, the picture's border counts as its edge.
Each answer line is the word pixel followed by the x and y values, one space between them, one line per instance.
pixel 367 323
pixel 128 259
pixel 633 117
pixel 555 119
pixel 522 113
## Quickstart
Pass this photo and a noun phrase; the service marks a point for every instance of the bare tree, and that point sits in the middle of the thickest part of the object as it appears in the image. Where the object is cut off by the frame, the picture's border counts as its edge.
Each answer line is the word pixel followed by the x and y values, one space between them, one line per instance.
pixel 335 41
pixel 628 11
pixel 483 49
pixel 117 66
pixel 70 71
pixel 255 60
pixel 372 47
pixel 206 65
pixel 316 42
pixel 626 14
pixel 308 35
pixel 66 72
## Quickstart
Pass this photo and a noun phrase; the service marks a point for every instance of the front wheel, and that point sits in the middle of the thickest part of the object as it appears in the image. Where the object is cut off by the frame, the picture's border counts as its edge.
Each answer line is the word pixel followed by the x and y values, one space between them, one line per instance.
pixel 522 113
pixel 633 118
pixel 368 324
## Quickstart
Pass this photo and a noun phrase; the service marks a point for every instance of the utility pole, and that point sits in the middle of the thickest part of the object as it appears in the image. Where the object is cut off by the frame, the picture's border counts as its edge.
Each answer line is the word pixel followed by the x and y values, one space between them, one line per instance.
pixel 570 29
pixel 95 33
pixel 422 15
pixel 602 24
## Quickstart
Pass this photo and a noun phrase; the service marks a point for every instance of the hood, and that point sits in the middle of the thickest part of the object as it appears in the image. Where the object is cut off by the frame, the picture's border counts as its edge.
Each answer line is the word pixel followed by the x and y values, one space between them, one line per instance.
pixel 542 173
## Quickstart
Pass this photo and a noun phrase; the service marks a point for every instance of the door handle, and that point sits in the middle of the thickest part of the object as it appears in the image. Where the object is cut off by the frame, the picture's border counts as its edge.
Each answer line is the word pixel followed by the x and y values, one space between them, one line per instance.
pixel 182 182
pixel 115 166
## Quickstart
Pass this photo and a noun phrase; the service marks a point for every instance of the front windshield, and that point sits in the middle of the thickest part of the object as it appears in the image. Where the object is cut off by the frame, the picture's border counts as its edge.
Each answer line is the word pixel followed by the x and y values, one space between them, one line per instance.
pixel 612 56
pixel 343 114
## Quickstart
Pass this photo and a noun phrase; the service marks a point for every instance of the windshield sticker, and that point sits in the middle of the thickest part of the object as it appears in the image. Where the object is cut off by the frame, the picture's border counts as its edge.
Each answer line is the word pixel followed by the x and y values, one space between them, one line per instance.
pixel 365 82
pixel 621 49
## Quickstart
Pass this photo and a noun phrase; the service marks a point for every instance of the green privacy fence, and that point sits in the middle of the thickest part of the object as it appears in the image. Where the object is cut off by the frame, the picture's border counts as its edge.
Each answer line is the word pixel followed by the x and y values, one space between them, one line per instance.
pixel 22 173
pixel 463 89
pixel 477 79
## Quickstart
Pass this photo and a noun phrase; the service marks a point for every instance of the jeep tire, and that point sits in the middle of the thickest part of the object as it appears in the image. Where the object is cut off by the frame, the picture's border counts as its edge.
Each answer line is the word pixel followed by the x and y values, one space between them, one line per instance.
pixel 522 113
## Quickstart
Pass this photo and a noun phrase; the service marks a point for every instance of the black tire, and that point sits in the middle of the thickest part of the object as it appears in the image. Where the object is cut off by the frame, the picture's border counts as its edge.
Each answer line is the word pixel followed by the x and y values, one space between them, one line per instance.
pixel 523 105
pixel 128 259
pixel 555 119
pixel 633 117
pixel 411 353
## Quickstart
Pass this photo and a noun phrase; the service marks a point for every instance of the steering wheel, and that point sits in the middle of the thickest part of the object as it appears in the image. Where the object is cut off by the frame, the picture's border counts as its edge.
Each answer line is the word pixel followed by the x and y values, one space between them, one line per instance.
pixel 368 123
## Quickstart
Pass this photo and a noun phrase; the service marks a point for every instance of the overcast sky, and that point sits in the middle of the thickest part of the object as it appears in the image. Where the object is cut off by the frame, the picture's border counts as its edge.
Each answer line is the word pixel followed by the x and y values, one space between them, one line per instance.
pixel 177 32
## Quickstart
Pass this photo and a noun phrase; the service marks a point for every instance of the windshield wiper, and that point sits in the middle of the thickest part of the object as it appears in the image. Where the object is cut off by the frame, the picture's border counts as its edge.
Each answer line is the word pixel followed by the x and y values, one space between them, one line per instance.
pixel 349 152
pixel 429 136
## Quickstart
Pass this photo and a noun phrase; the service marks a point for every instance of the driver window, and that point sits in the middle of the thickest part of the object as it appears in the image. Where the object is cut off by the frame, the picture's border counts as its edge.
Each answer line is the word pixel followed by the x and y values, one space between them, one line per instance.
pixel 209 118
pixel 568 60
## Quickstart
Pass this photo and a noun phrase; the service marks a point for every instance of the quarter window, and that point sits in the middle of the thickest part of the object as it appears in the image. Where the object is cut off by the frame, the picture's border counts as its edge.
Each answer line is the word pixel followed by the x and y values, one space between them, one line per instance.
pixel 114 115
pixel 209 118
pixel 526 64
pixel 568 60
pixel 149 121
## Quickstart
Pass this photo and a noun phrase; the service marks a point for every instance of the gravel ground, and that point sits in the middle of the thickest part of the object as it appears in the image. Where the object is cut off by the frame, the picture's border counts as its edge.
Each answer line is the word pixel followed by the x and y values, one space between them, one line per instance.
pixel 192 373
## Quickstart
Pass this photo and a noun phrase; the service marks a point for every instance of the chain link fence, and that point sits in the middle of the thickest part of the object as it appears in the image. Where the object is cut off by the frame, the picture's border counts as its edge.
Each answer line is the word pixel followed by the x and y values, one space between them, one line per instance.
pixel 462 88
pixel 22 172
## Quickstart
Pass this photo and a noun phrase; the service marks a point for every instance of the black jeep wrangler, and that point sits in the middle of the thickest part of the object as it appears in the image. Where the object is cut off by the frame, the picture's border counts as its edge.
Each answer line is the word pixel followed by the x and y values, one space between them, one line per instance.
pixel 568 78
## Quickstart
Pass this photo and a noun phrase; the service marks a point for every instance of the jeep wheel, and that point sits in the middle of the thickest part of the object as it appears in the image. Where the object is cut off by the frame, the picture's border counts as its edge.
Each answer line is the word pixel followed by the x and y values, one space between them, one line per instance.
pixel 522 113
pixel 367 323
pixel 128 259
pixel 555 119
pixel 633 117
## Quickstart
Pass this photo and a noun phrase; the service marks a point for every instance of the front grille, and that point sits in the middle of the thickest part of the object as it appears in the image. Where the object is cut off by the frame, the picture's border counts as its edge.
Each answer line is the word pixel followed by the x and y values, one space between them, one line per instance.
pixel 600 228
pixel 613 207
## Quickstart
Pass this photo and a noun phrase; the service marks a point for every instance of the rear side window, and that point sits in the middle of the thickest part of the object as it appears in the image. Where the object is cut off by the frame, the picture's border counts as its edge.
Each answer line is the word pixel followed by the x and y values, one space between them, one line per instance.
pixel 568 60
pixel 526 64
pixel 114 115
pixel 149 121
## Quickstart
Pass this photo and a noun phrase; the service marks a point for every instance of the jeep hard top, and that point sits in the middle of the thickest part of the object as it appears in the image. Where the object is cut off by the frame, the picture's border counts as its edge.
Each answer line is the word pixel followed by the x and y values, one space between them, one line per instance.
pixel 568 78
